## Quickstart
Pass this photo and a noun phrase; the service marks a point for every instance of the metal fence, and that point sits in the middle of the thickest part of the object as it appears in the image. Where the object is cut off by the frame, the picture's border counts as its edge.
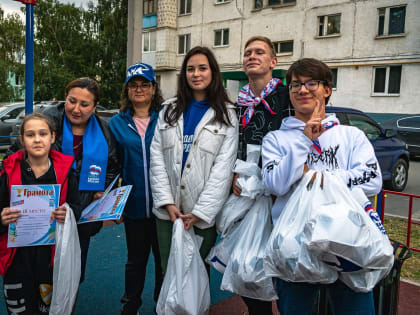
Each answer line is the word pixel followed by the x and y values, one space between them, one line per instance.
pixel 410 220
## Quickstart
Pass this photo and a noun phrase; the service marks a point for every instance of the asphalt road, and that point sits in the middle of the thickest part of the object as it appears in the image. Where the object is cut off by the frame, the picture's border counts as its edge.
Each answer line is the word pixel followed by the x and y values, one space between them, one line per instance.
pixel 399 205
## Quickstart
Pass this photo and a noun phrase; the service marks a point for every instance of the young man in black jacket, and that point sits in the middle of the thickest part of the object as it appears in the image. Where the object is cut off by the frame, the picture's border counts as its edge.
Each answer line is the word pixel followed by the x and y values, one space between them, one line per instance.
pixel 262 105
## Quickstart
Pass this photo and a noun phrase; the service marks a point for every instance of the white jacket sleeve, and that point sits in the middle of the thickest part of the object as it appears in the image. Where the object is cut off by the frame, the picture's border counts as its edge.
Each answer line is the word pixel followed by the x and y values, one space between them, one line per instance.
pixel 283 157
pixel 159 180
pixel 363 168
pixel 217 187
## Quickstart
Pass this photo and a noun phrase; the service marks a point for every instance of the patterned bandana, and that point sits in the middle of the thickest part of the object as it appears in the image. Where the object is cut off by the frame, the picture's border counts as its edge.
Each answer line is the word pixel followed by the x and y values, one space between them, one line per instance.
pixel 316 144
pixel 247 98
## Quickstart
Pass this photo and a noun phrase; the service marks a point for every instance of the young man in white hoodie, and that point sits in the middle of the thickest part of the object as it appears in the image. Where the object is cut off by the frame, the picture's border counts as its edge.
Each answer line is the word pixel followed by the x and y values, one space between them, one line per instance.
pixel 313 140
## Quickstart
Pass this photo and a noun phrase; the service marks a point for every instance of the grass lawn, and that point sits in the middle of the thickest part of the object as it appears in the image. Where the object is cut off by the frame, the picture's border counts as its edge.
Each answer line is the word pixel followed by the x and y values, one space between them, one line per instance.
pixel 396 229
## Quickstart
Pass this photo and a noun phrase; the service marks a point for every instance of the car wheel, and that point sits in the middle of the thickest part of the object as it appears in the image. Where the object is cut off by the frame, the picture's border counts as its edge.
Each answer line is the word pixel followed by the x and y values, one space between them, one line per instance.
pixel 399 176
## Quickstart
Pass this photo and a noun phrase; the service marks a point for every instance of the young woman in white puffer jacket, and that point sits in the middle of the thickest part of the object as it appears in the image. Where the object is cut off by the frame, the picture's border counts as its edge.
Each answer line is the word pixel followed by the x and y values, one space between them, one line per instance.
pixel 193 152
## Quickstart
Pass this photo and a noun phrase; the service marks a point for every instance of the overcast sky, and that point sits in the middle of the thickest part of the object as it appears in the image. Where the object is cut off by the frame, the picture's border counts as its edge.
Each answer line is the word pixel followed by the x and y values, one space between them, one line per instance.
pixel 10 6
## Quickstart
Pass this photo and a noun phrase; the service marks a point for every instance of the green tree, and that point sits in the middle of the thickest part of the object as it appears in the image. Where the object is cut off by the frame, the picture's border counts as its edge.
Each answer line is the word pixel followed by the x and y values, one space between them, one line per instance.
pixel 12 45
pixel 72 42
pixel 64 48
pixel 110 18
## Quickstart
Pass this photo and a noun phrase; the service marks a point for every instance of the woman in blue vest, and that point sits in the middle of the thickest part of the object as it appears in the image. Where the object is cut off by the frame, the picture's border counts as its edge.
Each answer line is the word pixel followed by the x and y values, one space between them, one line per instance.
pixel 133 129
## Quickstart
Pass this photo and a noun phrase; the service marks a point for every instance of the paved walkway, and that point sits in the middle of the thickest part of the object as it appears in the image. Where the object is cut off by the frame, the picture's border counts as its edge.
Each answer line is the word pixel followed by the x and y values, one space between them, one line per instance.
pixel 104 284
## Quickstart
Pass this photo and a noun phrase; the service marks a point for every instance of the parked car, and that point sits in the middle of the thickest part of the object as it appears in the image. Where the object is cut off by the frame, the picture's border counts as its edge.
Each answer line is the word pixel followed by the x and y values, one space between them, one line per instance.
pixel 39 107
pixel 8 119
pixel 390 150
pixel 408 128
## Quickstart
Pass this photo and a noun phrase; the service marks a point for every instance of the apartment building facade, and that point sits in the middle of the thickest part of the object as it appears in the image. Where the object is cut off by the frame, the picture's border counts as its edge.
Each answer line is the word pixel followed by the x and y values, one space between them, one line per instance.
pixel 372 46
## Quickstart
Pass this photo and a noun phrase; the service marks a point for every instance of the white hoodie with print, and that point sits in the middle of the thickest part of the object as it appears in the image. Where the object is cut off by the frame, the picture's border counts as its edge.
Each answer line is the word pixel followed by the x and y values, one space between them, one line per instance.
pixel 345 149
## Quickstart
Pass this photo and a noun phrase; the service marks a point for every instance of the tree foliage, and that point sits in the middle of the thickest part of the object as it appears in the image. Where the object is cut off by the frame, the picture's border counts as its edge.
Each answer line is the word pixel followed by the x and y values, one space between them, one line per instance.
pixel 73 42
pixel 12 45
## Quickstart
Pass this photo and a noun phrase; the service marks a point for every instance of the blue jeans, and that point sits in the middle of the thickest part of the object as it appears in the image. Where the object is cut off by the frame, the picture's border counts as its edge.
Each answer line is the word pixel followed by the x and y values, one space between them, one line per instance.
pixel 299 298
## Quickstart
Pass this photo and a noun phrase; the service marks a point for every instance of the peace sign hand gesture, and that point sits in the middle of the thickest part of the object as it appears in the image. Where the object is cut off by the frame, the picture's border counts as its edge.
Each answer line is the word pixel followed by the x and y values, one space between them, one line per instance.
pixel 314 128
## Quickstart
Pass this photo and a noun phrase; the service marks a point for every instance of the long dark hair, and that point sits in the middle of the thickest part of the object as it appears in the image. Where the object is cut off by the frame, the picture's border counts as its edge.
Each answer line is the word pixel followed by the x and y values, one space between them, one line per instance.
pixel 125 102
pixel 215 92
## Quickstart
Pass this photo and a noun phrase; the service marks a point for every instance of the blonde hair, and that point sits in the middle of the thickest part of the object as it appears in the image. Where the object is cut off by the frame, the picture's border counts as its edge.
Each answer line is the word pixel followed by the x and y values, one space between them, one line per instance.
pixel 262 39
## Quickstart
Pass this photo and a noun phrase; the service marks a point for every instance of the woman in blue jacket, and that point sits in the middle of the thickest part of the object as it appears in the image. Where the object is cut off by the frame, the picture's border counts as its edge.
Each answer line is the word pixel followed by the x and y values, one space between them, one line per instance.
pixel 133 129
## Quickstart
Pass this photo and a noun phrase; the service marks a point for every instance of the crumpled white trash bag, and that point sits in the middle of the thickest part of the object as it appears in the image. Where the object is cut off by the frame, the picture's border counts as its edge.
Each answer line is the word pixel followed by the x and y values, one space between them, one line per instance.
pixel 287 256
pixel 344 235
pixel 252 186
pixel 185 289
pixel 219 255
pixel 66 270
pixel 244 274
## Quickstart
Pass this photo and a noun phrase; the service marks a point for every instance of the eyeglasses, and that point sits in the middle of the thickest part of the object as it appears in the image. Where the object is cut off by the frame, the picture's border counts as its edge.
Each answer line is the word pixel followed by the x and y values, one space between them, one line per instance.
pixel 135 86
pixel 311 85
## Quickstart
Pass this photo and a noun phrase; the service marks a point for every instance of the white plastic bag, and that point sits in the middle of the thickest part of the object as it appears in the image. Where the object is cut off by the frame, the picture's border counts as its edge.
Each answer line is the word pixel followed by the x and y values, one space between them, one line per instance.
pixel 251 184
pixel 244 274
pixel 349 238
pixel 219 255
pixel 339 226
pixel 185 289
pixel 287 256
pixel 66 271
pixel 233 211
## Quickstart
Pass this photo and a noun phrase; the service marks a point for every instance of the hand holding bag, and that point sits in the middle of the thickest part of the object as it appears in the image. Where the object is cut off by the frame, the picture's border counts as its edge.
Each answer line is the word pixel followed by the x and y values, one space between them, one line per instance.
pixel 287 255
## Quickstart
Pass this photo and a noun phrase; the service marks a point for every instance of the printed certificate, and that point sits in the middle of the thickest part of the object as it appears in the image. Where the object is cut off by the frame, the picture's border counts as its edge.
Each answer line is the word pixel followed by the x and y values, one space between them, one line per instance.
pixel 37 225
pixel 109 207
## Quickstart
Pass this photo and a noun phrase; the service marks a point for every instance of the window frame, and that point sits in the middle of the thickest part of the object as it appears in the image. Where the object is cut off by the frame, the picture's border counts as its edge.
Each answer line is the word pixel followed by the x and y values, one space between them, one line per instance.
pixel 334 83
pixel 387 79
pixel 325 26
pixel 154 11
pixel 149 41
pixel 265 4
pixel 186 43
pixel 277 46
pixel 222 37
pixel 387 20
pixel 186 3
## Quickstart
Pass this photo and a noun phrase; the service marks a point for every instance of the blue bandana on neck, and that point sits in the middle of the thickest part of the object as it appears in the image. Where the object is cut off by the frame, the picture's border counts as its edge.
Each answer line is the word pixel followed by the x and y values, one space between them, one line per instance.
pixel 94 155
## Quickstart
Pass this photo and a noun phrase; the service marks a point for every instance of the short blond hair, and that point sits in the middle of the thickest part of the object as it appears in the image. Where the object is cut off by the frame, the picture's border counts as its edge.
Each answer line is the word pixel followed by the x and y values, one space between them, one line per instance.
pixel 262 39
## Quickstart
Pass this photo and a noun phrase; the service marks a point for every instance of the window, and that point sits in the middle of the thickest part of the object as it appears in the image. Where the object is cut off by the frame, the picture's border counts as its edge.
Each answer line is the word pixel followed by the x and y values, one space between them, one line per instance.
pixel 329 25
pixel 391 21
pixel 410 122
pixel 334 80
pixel 280 2
pixel 149 7
pixel 371 131
pixel 222 1
pixel 387 80
pixel 284 47
pixel 185 7
pixel 19 79
pixel 259 4
pixel 149 41
pixel 221 37
pixel 184 43
pixel 14 113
